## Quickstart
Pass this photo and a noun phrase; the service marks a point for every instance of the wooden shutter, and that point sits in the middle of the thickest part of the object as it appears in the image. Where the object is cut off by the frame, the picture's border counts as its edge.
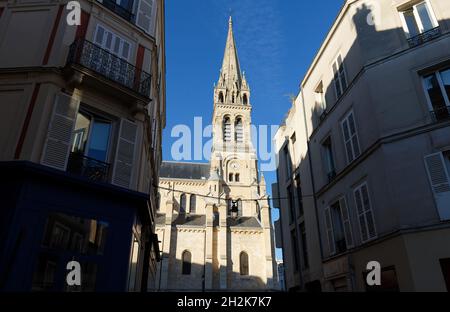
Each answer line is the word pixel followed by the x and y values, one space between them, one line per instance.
pixel 330 234
pixel 440 183
pixel 60 131
pixel 346 222
pixel 144 14
pixel 125 154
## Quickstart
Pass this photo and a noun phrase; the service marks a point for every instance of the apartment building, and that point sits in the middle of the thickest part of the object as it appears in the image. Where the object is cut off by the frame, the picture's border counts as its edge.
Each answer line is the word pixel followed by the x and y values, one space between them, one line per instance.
pixel 82 108
pixel 375 144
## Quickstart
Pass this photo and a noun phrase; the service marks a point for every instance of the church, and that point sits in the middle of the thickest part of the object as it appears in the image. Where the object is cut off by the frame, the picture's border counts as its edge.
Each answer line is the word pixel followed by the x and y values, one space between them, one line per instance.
pixel 214 223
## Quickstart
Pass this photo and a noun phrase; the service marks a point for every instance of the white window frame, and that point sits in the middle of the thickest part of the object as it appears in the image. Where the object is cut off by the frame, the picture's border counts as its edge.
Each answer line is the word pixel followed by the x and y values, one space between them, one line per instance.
pixel 359 189
pixel 431 13
pixel 335 62
pixel 346 119
pixel 437 73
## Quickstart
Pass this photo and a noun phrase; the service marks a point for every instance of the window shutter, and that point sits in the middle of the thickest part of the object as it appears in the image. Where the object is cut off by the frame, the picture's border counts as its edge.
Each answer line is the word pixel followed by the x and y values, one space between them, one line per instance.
pixel 346 221
pixel 144 14
pixel 60 130
pixel 330 234
pixel 440 183
pixel 123 165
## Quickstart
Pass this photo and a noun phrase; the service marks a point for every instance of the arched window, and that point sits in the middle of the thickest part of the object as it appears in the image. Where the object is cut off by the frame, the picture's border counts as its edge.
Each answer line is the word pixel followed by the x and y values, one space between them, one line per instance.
pixel 237 177
pixel 193 204
pixel 183 203
pixel 220 97
pixel 239 131
pixel 187 262
pixel 230 177
pixel 243 263
pixel 226 129
pixel 232 98
pixel 245 99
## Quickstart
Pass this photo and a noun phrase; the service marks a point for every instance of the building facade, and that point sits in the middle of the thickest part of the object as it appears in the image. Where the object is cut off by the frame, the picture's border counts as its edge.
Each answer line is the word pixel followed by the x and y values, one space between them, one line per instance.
pixel 214 221
pixel 82 109
pixel 374 142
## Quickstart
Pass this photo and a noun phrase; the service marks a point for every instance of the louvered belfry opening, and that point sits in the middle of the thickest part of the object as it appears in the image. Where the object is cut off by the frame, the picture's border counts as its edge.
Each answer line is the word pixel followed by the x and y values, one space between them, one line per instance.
pixel 239 131
pixel 227 129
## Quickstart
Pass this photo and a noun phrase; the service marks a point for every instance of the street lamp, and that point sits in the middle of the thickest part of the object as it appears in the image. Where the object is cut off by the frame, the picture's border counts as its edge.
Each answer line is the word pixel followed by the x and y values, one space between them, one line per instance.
pixel 234 209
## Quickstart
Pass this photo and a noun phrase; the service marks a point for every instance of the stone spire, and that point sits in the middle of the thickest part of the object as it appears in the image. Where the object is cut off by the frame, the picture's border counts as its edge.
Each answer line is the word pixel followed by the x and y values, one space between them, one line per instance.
pixel 230 74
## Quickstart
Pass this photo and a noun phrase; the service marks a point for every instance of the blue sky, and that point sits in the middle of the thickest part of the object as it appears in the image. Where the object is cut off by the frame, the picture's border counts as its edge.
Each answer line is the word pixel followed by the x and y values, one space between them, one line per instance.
pixel 276 42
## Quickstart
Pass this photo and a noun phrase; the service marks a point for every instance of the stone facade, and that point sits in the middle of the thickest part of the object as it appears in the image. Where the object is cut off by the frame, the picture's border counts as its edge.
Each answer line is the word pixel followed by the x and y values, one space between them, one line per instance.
pixel 218 250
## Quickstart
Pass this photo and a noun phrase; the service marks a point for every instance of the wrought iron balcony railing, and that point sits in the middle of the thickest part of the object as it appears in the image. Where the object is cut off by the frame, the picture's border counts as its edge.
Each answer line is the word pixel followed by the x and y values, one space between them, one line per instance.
pixel 103 62
pixel 440 113
pixel 424 37
pixel 90 168
pixel 119 10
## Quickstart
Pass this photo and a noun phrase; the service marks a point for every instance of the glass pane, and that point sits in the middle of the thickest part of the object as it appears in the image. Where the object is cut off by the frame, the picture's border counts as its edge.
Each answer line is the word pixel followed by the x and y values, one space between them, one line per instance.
pixel 81 131
pixel 365 197
pixel 370 224
pixel 362 224
pixel 126 50
pixel 436 97
pixel 116 45
pixel 99 139
pixel 358 202
pixel 351 124
pixel 346 130
pixel 411 23
pixel 348 146
pixel 108 41
pixel 356 148
pixel 99 36
pixel 445 76
pixel 425 17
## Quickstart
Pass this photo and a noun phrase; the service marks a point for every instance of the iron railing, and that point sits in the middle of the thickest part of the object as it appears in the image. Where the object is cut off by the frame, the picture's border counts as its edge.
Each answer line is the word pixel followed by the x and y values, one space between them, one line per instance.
pixel 440 113
pixel 424 37
pixel 119 10
pixel 90 168
pixel 103 62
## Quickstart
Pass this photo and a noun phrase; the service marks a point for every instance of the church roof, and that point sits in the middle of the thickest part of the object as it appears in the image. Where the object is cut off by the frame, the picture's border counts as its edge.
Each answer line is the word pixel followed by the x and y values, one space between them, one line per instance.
pixel 245 222
pixel 184 170
pixel 191 220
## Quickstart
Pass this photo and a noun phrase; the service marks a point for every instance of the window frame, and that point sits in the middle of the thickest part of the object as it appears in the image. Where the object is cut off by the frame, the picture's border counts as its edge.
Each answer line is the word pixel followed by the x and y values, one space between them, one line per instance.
pixel 356 189
pixel 113 40
pixel 417 18
pixel 437 74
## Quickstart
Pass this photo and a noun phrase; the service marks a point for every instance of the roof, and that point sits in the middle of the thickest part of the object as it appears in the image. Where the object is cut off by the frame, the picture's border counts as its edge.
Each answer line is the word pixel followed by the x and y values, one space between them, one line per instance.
pixel 191 220
pixel 184 170
pixel 245 222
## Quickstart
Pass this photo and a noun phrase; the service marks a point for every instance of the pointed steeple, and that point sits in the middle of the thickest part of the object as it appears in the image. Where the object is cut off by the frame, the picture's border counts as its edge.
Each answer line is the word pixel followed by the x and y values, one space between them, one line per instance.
pixel 230 74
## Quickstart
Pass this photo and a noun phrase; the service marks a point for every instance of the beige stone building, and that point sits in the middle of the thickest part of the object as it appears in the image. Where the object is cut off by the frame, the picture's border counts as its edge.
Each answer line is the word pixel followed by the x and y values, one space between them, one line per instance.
pixel 366 146
pixel 82 108
pixel 214 220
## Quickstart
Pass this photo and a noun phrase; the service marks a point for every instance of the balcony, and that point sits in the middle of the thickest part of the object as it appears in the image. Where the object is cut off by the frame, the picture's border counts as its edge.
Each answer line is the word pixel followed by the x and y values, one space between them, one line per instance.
pixel 440 113
pixel 119 10
pixel 110 66
pixel 90 168
pixel 424 37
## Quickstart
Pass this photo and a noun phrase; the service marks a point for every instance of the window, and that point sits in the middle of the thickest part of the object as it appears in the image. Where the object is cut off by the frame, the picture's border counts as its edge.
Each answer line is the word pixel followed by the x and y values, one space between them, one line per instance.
pixel 183 203
pixel 113 43
pixel 237 177
pixel 350 137
pixel 299 195
pixel 133 266
pixel 187 263
pixel 330 168
pixel 340 80
pixel 304 246
pixel 69 237
pixel 144 15
pixel 227 129
pixel 321 103
pixel 245 99
pixel 293 138
pixel 193 204
pixel 230 177
pixel 123 8
pixel 291 204
pixel 239 131
pixel 287 158
pixel 339 232
pixel 243 264
pixel 445 267
pixel 91 136
pixel 220 97
pixel 294 246
pixel 437 89
pixel 418 19
pixel 365 214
